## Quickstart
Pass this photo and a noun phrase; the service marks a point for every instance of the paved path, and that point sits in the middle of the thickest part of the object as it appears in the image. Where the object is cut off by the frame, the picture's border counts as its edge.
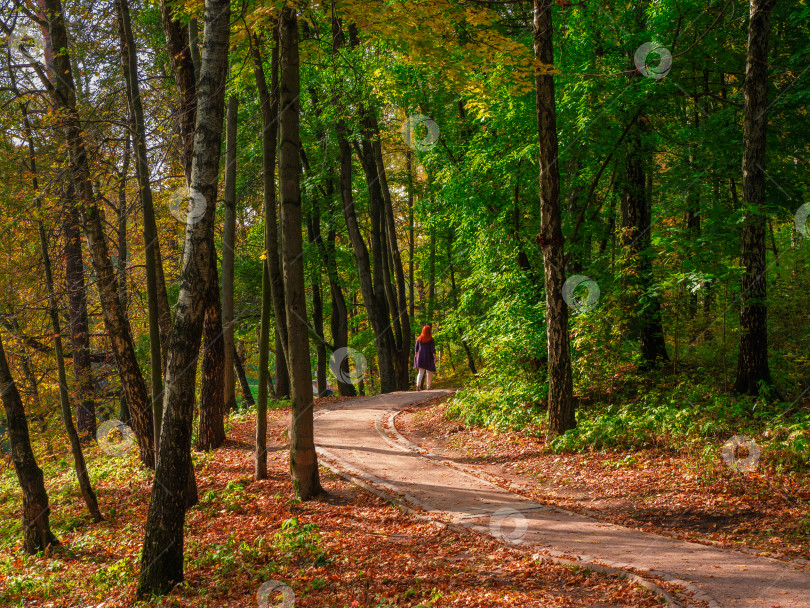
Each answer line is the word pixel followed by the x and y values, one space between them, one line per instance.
pixel 357 439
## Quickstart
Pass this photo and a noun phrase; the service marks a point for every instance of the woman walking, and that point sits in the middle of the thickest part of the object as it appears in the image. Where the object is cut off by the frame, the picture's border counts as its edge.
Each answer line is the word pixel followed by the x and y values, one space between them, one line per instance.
pixel 425 357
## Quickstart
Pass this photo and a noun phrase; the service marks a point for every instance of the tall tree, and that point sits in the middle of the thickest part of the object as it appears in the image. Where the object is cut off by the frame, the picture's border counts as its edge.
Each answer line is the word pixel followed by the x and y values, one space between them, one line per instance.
pixel 303 459
pixel 228 252
pixel 63 95
pixel 560 385
pixel 752 360
pixel 272 278
pixel 53 312
pixel 162 556
pixel 157 299
pixel 84 393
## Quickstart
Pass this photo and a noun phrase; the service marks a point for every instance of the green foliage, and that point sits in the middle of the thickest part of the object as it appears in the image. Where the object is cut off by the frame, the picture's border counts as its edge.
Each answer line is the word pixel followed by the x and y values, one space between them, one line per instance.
pixel 301 543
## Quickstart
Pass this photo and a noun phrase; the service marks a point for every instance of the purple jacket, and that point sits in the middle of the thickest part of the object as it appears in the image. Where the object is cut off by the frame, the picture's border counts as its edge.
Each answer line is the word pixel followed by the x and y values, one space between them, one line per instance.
pixel 425 356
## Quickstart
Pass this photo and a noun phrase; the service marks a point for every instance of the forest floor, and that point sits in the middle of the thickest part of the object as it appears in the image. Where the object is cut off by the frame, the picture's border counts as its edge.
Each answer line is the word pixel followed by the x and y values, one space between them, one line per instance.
pixel 349 549
pixel 656 490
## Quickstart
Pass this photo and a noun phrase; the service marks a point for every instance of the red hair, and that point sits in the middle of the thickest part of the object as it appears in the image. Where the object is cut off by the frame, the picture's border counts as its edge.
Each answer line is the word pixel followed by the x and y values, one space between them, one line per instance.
pixel 425 336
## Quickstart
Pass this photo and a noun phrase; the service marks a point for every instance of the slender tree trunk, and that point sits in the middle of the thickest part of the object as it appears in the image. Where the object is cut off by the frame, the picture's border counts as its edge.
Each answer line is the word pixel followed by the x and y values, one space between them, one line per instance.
pixel 53 312
pixel 303 460
pixel 272 281
pixel 454 292
pixel 64 98
pixel 228 244
pixel 162 556
pixel 339 321
pixel 399 301
pixel 37 535
pixel 411 242
pixel 79 331
pixel 247 394
pixel 432 277
pixel 380 321
pixel 123 215
pixel 157 299
pixel 752 361
pixel 560 388
pixel 314 233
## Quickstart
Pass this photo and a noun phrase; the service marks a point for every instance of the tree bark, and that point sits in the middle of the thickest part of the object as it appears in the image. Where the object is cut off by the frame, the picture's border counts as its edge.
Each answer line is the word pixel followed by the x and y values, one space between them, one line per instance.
pixel 228 244
pixel 37 535
pixel 247 394
pixel 123 215
pixel 560 388
pixel 314 233
pixel 268 100
pixel 272 280
pixel 63 95
pixel 752 360
pixel 79 332
pixel 339 321
pixel 53 312
pixel 162 556
pixel 211 432
pixel 177 45
pixel 303 460
pixel 157 299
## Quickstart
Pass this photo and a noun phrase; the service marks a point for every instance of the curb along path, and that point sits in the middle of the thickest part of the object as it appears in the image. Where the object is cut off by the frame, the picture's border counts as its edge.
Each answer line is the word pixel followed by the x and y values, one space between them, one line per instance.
pixel 352 440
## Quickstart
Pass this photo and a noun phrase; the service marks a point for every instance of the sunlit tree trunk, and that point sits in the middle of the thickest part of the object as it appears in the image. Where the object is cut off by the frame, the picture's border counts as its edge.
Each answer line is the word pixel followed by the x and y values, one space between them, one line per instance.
pixel 752 361
pixel 560 388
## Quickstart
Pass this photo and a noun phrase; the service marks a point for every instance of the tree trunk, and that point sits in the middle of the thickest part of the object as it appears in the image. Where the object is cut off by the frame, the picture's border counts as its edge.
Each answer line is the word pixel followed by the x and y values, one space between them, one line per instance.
pixel 560 389
pixel 53 312
pixel 64 98
pixel 123 215
pixel 247 394
pixel 398 302
pixel 752 361
pixel 177 45
pixel 228 244
pixel 303 460
pixel 314 233
pixel 272 281
pixel 431 277
pixel 211 433
pixel 157 299
pixel 411 242
pixel 79 332
pixel 339 321
pixel 162 556
pixel 37 535
pixel 454 292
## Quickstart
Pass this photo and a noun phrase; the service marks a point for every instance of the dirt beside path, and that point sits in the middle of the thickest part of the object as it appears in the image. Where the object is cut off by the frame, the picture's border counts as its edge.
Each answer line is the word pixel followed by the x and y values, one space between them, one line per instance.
pixel 359 439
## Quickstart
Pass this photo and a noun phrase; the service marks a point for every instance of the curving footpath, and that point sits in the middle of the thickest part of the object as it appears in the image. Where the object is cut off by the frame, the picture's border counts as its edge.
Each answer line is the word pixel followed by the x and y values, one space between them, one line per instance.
pixel 358 440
